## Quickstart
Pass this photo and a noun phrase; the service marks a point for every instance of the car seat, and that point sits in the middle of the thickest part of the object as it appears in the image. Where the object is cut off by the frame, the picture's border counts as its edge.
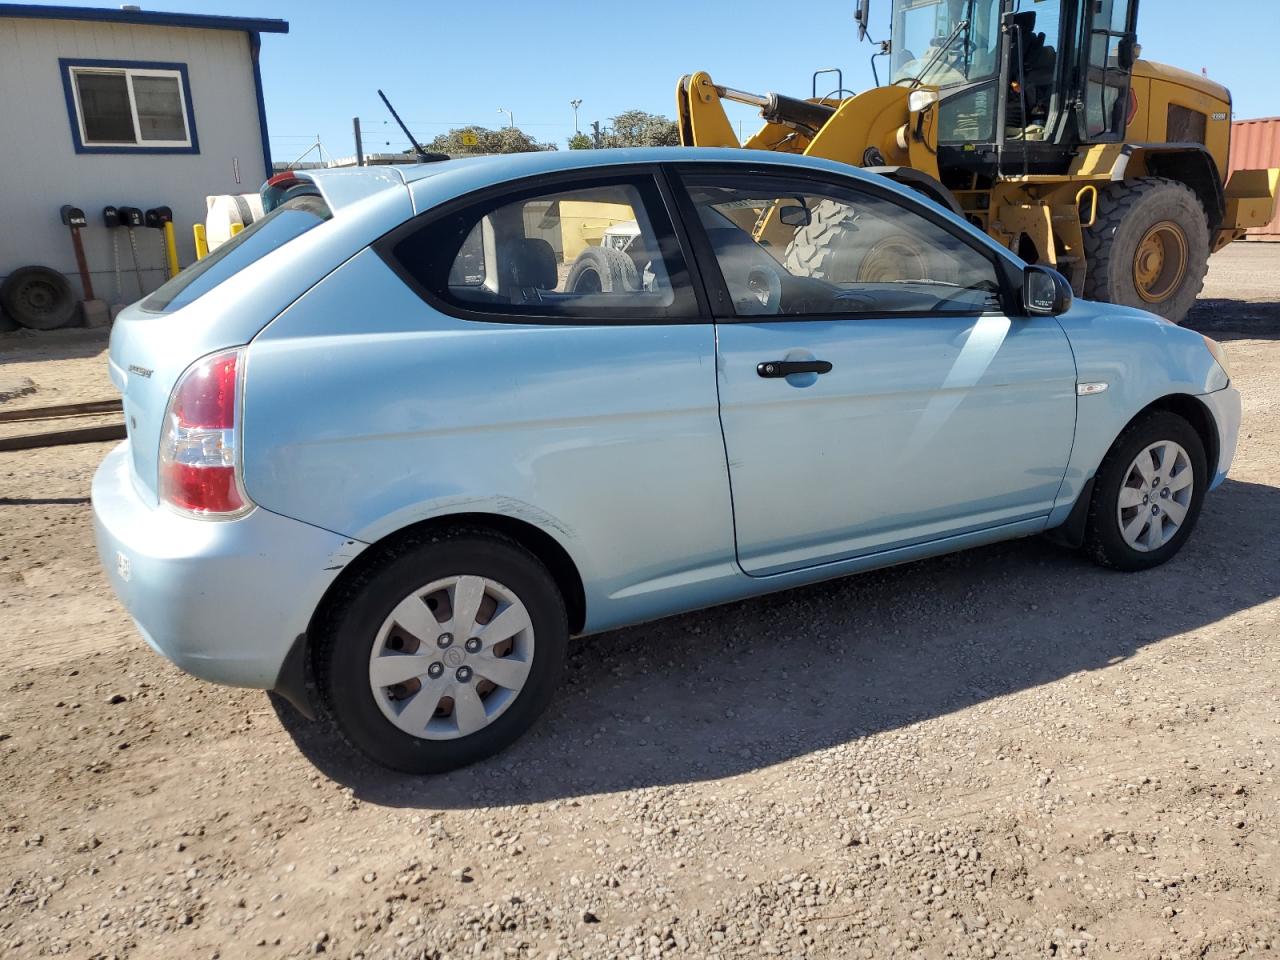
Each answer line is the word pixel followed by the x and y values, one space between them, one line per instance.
pixel 525 266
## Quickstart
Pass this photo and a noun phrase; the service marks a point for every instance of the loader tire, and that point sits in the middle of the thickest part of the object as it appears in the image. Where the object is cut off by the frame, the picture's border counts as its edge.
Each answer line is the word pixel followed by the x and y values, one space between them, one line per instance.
pixel 602 270
pixel 833 247
pixel 1149 248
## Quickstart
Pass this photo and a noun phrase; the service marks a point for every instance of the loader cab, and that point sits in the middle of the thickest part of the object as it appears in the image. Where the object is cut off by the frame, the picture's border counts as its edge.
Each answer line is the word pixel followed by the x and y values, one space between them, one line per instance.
pixel 1022 83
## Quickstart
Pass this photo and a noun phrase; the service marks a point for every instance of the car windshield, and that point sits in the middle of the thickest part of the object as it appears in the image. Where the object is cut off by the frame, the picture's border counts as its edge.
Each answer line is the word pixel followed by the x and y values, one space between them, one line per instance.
pixel 922 27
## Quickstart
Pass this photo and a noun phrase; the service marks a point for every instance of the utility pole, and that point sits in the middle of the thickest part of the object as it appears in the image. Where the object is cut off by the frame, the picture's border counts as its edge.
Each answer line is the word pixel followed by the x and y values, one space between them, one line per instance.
pixel 596 138
pixel 575 104
pixel 355 126
pixel 511 117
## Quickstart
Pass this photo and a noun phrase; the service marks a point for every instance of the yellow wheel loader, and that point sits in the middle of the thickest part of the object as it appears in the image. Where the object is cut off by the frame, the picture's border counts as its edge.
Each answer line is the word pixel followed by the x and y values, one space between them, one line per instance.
pixel 1038 121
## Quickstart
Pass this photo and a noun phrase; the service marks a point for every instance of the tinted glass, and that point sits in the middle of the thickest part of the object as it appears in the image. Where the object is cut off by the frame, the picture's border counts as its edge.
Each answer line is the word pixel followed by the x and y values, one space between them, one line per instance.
pixel 104 104
pixel 601 252
pixel 969 116
pixel 160 110
pixel 796 248
pixel 1107 91
pixel 294 218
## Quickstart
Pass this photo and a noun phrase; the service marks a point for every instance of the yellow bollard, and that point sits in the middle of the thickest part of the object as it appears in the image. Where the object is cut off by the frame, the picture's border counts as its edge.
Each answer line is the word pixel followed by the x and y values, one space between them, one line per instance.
pixel 201 240
pixel 171 248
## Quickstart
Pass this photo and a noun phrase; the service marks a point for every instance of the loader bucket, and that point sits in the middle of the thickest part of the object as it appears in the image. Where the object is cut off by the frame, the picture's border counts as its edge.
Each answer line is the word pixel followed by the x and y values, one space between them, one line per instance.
pixel 1251 198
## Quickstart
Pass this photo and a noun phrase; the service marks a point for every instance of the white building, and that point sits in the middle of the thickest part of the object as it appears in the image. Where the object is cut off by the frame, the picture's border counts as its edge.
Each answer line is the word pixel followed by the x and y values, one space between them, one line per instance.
pixel 125 107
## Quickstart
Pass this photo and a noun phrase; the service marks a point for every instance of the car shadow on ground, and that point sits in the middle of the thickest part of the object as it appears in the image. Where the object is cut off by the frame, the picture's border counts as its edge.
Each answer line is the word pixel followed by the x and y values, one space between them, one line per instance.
pixel 745 686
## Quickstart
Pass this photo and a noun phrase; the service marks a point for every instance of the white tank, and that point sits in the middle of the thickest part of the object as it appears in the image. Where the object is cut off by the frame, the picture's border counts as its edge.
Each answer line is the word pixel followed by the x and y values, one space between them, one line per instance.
pixel 228 209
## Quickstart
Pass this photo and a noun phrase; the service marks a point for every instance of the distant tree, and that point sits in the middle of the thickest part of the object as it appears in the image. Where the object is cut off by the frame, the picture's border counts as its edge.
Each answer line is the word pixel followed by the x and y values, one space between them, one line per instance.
pixel 506 140
pixel 580 141
pixel 636 128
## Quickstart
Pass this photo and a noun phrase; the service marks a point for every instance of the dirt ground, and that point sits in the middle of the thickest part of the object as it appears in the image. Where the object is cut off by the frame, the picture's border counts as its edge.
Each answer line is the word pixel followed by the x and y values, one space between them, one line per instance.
pixel 1006 752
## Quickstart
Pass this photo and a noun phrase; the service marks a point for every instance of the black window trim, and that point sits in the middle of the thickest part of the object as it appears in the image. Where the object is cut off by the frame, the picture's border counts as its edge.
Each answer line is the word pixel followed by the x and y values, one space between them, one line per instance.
pixel 717 292
pixel 645 177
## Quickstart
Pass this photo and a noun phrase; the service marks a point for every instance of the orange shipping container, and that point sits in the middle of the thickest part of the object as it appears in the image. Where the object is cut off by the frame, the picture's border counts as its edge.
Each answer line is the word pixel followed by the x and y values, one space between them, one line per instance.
pixel 1255 145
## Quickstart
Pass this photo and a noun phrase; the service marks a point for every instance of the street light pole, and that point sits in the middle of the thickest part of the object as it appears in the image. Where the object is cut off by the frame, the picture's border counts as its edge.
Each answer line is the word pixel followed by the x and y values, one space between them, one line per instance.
pixel 511 117
pixel 575 104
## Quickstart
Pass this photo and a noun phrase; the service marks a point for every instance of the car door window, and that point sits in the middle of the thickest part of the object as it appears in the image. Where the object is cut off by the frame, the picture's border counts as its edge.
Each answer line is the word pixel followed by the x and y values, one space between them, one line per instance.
pixel 601 251
pixel 798 247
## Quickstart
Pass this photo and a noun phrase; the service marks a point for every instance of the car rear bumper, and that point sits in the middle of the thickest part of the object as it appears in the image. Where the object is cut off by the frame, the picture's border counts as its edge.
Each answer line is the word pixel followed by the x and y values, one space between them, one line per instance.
pixel 224 600
pixel 1225 407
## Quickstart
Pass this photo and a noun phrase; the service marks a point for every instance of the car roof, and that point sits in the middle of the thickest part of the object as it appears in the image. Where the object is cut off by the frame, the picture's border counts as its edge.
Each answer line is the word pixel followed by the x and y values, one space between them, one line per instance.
pixel 429 183
pixel 551 161
pixel 509 166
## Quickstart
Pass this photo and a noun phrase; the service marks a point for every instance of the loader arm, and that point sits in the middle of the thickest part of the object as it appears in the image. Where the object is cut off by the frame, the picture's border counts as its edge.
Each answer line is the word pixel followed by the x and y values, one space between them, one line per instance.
pixel 872 129
pixel 700 113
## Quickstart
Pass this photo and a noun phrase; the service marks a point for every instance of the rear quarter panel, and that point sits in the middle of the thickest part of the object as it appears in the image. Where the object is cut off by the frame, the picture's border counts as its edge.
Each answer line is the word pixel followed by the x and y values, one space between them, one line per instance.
pixel 150 351
pixel 1141 358
pixel 367 411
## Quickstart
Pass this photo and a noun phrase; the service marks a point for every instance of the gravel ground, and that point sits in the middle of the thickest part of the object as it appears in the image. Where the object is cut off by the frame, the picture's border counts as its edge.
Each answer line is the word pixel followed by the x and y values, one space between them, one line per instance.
pixel 1005 752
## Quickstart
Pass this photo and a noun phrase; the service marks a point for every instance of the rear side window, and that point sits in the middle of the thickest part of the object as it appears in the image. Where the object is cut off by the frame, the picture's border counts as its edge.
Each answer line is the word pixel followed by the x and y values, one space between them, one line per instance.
pixel 583 252
pixel 291 219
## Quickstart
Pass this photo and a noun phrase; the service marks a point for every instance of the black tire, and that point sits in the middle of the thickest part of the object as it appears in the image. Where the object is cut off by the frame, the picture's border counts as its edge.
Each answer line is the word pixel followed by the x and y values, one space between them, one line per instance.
pixel 827 249
pixel 38 297
pixel 1126 212
pixel 350 624
pixel 1104 541
pixel 602 270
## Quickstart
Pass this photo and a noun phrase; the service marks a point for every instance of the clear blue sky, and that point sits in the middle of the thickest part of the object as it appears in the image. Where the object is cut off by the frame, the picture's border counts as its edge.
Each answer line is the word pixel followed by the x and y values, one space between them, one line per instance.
pixel 449 64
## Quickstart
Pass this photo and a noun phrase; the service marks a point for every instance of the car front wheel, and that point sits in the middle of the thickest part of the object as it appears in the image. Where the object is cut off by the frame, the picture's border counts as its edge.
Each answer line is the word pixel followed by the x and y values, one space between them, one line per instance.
pixel 443 653
pixel 1147 494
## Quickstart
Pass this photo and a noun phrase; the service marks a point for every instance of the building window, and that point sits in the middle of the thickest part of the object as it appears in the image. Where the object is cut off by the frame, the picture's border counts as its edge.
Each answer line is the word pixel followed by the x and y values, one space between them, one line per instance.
pixel 119 107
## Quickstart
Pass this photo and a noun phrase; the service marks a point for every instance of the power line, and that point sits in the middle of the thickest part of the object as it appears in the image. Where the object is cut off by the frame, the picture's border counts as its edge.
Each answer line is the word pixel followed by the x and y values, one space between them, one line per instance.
pixel 462 123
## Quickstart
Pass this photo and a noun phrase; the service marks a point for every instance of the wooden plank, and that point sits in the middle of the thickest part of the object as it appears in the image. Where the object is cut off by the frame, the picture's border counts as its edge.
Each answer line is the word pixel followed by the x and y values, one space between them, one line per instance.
pixel 87 409
pixel 112 431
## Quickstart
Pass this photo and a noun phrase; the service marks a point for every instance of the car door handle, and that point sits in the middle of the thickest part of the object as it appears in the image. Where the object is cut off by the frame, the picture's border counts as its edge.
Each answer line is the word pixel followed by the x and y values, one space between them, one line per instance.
pixel 774 369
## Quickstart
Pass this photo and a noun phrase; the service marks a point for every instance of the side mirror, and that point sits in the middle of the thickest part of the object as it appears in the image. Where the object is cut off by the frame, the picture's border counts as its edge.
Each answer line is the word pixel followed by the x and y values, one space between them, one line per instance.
pixel 1045 292
pixel 862 17
pixel 795 216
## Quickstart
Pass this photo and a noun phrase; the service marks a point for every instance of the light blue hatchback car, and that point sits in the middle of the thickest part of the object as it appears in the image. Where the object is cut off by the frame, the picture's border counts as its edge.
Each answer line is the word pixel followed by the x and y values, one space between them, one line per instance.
pixel 397 441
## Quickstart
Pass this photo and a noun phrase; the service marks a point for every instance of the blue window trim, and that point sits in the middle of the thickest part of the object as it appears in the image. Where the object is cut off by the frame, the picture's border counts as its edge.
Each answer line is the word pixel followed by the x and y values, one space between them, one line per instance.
pixel 153 18
pixel 65 64
pixel 255 49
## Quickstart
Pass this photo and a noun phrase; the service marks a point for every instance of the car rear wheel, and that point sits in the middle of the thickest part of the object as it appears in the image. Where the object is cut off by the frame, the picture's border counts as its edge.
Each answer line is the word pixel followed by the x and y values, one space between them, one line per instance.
pixel 1147 494
pixel 443 653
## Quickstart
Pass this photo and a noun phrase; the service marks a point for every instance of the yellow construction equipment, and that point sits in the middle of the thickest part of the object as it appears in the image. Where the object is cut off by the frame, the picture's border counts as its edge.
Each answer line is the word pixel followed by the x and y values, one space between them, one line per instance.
pixel 1038 121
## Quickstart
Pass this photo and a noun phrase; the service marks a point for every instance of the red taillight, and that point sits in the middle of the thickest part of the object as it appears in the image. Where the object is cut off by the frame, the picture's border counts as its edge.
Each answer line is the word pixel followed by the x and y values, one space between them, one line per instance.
pixel 206 397
pixel 203 489
pixel 199 452
pixel 1133 106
